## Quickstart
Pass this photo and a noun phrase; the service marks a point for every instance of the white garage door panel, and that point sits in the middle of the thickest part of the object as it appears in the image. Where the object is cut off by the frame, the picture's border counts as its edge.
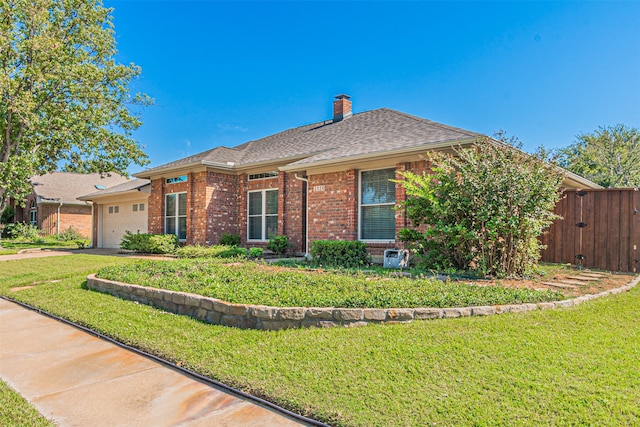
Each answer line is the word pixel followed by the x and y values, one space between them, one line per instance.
pixel 115 224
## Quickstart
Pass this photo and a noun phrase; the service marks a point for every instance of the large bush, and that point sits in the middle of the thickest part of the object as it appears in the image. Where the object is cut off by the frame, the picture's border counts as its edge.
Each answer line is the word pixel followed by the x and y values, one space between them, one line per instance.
pixel 149 243
pixel 482 209
pixel 340 253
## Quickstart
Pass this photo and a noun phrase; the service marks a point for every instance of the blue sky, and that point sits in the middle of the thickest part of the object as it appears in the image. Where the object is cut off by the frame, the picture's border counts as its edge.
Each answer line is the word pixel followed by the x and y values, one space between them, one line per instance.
pixel 223 73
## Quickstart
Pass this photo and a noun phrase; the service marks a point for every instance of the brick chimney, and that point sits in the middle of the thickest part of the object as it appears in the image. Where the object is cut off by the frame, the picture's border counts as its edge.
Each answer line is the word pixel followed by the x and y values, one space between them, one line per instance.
pixel 341 108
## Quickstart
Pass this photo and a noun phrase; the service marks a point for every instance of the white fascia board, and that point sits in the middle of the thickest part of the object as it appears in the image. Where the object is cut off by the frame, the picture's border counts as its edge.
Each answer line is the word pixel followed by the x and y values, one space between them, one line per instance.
pixel 399 151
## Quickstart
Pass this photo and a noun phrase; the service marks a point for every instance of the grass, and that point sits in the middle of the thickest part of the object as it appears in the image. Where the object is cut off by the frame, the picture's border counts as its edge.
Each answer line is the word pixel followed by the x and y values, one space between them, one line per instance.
pixel 15 411
pixel 12 246
pixel 254 283
pixel 575 366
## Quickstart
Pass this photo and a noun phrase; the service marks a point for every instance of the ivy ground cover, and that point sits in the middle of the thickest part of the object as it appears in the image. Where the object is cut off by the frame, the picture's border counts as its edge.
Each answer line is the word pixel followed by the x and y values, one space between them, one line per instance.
pixel 574 366
pixel 260 284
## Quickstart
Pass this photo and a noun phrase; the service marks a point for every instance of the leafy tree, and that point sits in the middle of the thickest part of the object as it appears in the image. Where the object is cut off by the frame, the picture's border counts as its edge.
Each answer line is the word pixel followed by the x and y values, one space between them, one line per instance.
pixel 610 156
pixel 65 101
pixel 481 209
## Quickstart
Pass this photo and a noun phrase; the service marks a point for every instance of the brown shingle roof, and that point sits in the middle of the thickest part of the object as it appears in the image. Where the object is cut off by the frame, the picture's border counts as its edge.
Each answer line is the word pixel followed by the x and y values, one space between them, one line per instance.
pixel 66 187
pixel 370 132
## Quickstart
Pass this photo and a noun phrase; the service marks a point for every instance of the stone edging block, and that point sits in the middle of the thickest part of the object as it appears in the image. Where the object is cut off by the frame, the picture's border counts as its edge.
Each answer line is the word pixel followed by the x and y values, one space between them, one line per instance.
pixel 212 310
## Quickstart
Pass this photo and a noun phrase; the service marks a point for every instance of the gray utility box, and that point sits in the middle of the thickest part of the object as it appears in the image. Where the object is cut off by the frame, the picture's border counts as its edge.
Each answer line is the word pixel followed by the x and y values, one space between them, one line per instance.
pixel 396 258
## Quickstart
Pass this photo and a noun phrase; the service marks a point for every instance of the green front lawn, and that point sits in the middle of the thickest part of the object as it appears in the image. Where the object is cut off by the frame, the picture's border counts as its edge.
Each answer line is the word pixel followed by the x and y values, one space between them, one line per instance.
pixel 15 411
pixel 575 366
pixel 254 283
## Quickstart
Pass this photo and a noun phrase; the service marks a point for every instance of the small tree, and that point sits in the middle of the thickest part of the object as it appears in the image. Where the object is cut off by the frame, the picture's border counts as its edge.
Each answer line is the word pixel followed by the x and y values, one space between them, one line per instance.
pixel 482 209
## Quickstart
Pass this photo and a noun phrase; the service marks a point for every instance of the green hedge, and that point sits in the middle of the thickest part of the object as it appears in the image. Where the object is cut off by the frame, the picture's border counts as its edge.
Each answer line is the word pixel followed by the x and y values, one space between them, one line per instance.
pixel 218 251
pixel 340 253
pixel 149 243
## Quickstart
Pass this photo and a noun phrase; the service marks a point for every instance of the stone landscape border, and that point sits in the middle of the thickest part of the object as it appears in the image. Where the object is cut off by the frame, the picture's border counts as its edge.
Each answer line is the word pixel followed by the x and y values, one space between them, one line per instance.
pixel 246 316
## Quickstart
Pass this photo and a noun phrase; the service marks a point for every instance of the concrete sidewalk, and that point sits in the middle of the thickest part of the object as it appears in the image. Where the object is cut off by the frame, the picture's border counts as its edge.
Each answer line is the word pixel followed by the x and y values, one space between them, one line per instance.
pixel 43 253
pixel 76 379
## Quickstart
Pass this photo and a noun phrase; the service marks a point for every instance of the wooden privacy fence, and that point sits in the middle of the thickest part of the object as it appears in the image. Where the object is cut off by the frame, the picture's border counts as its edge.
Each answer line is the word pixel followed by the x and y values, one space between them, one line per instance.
pixel 600 229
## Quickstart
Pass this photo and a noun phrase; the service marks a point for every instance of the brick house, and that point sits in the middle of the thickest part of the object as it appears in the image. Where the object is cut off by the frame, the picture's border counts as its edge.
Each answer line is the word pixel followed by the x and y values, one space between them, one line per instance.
pixel 326 180
pixel 53 206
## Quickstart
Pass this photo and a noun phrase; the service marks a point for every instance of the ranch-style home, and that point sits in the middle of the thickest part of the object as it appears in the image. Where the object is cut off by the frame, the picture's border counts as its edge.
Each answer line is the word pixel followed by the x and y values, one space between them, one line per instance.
pixel 326 180
pixel 53 206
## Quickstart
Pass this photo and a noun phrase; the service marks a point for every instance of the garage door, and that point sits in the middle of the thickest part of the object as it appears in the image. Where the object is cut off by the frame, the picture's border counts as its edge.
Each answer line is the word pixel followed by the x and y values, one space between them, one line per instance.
pixel 118 218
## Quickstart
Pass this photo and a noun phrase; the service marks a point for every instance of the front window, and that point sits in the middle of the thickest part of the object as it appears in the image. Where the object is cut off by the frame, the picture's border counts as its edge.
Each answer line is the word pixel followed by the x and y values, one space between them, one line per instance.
pixel 33 214
pixel 377 201
pixel 175 215
pixel 263 214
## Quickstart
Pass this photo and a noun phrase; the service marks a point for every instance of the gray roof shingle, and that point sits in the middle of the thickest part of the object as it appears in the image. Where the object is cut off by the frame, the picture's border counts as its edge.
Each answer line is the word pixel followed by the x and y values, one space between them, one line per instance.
pixel 369 132
pixel 66 187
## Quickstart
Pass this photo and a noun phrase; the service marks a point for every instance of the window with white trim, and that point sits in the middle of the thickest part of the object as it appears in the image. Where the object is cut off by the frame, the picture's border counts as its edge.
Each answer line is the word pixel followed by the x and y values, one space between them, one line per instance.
pixel 175 215
pixel 377 201
pixel 33 214
pixel 262 214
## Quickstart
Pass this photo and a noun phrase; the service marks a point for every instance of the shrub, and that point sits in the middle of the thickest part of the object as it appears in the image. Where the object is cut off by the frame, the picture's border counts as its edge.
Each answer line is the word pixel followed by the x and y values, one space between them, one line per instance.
pixel 149 243
pixel 7 230
pixel 484 209
pixel 82 243
pixel 340 253
pixel 279 244
pixel 69 234
pixel 228 239
pixel 256 252
pixel 218 251
pixel 7 215
pixel 25 232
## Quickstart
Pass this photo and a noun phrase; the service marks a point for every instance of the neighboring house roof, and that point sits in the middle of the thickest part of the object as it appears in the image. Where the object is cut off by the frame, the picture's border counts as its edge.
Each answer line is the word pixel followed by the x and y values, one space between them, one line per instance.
pixel 66 187
pixel 142 185
pixel 371 132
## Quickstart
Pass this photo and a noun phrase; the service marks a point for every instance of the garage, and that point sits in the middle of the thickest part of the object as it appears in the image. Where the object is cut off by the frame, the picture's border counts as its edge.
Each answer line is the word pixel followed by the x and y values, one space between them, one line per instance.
pixel 117 210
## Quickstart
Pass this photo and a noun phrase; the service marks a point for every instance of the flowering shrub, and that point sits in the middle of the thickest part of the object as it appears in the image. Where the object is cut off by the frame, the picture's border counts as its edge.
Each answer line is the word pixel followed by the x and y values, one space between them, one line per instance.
pixel 482 209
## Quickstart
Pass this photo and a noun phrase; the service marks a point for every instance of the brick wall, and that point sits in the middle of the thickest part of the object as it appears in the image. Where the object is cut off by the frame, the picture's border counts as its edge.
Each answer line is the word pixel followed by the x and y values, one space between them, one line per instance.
pixel 78 217
pixel 222 207
pixel 333 206
pixel 156 207
pixel 293 206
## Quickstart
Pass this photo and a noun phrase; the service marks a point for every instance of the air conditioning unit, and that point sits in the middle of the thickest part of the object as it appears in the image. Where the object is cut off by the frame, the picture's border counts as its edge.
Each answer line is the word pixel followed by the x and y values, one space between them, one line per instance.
pixel 396 258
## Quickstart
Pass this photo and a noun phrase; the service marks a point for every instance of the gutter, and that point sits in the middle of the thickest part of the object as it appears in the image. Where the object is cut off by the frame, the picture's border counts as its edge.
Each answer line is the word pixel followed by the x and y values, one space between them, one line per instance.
pixel 58 225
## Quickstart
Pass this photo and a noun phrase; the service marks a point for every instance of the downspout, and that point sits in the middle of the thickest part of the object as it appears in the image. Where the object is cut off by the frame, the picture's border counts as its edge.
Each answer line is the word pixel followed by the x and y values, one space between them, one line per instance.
pixel 306 216
pixel 94 225
pixel 58 225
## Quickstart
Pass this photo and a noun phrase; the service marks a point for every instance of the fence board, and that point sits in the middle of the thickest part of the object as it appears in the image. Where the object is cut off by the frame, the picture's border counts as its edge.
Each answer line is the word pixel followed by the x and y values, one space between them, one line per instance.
pixel 611 238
